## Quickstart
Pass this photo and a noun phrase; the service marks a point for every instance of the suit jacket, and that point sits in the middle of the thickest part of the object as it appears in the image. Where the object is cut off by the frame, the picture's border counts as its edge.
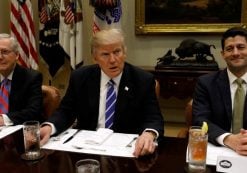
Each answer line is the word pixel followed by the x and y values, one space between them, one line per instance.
pixel 212 103
pixel 136 109
pixel 25 100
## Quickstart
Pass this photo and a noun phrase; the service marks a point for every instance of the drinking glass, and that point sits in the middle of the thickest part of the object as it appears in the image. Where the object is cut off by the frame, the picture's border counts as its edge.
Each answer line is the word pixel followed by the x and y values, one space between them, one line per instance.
pixel 197 149
pixel 31 132
pixel 87 166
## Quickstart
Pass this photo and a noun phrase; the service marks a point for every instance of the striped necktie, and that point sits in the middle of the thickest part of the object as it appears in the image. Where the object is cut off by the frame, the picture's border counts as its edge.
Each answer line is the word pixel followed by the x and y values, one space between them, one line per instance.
pixel 238 106
pixel 110 104
pixel 4 96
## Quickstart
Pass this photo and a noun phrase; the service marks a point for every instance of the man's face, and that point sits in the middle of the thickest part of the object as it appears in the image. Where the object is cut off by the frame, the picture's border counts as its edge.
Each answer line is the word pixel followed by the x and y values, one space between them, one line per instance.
pixel 8 57
pixel 110 58
pixel 235 53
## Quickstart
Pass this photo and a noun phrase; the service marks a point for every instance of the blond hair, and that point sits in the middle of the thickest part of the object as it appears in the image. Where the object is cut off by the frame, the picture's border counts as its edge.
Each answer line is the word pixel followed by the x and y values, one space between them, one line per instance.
pixel 105 37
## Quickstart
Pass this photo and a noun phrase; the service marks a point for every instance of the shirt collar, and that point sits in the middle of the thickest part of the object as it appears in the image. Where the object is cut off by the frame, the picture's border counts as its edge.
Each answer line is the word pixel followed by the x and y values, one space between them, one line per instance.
pixel 105 79
pixel 10 76
pixel 232 77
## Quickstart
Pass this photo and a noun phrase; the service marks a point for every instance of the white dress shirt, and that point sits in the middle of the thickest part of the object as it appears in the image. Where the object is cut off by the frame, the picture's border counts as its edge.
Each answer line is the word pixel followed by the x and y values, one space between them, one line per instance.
pixel 103 91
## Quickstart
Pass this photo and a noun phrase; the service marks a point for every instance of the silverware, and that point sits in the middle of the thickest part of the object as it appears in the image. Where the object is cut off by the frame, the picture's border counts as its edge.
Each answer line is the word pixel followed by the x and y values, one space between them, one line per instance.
pixel 80 148
pixel 58 138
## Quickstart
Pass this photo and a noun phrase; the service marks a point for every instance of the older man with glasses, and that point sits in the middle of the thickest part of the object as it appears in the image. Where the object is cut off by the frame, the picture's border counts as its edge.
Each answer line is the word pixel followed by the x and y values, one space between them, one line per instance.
pixel 20 91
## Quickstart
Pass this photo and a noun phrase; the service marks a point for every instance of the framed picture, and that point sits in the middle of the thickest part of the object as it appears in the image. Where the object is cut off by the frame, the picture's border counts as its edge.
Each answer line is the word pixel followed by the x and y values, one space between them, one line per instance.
pixel 188 16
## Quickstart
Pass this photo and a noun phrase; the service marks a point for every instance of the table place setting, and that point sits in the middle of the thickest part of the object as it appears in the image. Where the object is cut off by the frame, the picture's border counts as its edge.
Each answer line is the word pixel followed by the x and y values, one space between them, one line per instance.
pixel 103 142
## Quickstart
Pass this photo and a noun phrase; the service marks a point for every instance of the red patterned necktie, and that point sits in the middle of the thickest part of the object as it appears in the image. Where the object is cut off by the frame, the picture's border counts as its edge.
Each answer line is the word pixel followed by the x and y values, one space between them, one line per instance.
pixel 8 141
pixel 4 96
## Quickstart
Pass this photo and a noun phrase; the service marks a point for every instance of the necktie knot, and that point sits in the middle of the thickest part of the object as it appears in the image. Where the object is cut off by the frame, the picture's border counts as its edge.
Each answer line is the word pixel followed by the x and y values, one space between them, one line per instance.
pixel 239 82
pixel 111 83
pixel 5 81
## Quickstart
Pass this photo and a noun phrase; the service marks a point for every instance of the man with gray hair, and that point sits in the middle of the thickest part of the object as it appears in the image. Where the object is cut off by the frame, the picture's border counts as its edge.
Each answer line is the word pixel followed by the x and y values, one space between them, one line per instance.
pixel 20 92
pixel 132 105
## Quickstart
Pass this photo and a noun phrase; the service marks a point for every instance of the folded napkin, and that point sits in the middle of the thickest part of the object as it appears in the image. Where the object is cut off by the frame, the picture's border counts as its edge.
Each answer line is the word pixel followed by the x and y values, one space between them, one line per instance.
pixel 98 137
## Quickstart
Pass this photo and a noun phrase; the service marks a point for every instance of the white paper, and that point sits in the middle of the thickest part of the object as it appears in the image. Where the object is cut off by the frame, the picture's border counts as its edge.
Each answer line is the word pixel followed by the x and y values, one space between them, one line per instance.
pixel 214 151
pixel 231 164
pixel 113 145
pixel 7 130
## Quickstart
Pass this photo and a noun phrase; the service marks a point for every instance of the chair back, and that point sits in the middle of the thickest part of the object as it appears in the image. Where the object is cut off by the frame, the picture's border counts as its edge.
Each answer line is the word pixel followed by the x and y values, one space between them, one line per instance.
pixel 51 100
pixel 184 132
pixel 157 88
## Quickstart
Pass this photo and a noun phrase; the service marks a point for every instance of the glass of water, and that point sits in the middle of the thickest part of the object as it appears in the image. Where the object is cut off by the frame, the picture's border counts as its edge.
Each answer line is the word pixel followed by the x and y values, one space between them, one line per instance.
pixel 31 133
pixel 87 166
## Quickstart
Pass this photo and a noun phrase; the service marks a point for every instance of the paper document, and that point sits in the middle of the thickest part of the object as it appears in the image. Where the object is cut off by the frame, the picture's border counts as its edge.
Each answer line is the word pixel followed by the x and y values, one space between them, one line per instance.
pixel 102 142
pixel 214 151
pixel 7 130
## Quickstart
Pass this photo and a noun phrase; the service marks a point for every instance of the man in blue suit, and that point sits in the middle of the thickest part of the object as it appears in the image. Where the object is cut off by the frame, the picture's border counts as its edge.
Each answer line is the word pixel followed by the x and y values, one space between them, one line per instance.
pixel 214 95
pixel 137 109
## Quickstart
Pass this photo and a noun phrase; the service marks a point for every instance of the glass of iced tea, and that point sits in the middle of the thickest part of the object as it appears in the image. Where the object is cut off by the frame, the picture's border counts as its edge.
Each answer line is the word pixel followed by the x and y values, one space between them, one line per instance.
pixel 197 149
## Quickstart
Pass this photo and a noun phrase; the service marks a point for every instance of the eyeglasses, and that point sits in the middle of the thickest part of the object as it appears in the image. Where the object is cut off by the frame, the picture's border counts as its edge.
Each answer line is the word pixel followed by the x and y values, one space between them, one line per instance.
pixel 5 52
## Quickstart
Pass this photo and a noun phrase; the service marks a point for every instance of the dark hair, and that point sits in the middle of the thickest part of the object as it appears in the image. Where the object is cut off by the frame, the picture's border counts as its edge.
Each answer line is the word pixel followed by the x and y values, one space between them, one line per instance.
pixel 232 32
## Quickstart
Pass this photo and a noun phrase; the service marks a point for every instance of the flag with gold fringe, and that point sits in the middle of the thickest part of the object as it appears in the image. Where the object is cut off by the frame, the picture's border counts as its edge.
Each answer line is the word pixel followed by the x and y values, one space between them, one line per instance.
pixel 107 14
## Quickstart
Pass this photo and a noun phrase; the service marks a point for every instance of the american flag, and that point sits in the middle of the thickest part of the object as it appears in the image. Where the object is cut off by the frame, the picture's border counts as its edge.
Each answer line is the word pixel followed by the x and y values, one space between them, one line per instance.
pixel 69 15
pixel 43 15
pixel 22 28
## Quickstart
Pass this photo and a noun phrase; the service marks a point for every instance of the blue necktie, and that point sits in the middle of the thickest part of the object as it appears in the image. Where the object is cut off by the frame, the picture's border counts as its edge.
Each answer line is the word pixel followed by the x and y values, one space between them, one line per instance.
pixel 110 104
pixel 4 96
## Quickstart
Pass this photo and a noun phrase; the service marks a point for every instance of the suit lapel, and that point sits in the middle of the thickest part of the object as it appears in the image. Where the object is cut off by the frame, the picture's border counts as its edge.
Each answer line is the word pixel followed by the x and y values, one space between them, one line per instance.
pixel 15 86
pixel 224 89
pixel 125 91
pixel 94 90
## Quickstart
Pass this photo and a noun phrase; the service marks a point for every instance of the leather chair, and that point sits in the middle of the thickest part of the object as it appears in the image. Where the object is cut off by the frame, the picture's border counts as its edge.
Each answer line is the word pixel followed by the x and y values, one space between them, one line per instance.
pixel 184 132
pixel 157 88
pixel 51 99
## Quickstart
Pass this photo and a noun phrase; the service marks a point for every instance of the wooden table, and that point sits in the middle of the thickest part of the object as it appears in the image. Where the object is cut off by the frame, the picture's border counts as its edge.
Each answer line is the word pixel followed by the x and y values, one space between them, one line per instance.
pixel 170 157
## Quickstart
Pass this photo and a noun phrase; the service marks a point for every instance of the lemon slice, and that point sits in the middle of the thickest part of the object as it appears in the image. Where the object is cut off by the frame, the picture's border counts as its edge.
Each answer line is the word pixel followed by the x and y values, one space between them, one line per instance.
pixel 205 127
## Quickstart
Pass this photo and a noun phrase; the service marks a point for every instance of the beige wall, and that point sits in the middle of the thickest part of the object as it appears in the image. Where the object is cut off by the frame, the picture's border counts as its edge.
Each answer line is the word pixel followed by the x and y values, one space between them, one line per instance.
pixel 142 50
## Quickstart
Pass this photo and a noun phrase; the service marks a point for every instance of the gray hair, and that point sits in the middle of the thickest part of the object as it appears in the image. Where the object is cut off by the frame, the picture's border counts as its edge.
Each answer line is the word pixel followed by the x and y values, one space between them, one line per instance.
pixel 13 42
pixel 105 37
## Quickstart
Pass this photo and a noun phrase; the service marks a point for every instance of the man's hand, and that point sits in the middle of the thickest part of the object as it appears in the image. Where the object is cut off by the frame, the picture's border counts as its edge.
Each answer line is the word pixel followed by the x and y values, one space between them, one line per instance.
pixel 45 133
pixel 237 142
pixel 145 144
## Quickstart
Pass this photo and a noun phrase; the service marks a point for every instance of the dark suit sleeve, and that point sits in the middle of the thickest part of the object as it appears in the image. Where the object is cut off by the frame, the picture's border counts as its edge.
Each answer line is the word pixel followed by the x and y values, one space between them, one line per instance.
pixel 26 96
pixel 153 118
pixel 137 107
pixel 208 106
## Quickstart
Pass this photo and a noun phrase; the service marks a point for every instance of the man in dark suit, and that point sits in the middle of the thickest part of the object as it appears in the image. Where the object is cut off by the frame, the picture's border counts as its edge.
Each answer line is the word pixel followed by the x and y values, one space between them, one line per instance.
pixel 137 109
pixel 214 95
pixel 25 95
